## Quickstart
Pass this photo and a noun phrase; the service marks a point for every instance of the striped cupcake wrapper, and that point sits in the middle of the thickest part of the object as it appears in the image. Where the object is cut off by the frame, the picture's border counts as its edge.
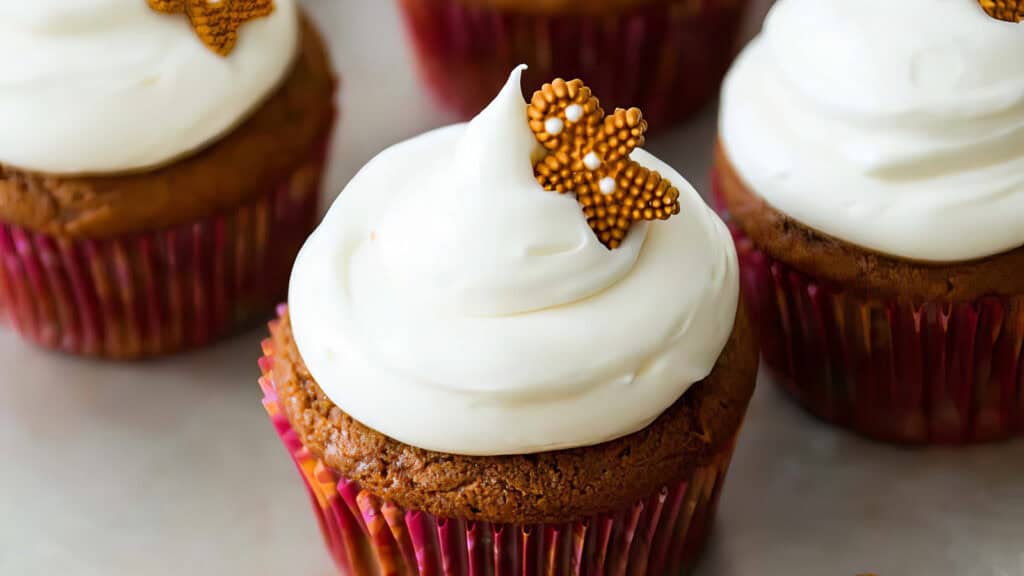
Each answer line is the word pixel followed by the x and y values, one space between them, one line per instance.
pixel 668 58
pixel 160 292
pixel 897 369
pixel 661 534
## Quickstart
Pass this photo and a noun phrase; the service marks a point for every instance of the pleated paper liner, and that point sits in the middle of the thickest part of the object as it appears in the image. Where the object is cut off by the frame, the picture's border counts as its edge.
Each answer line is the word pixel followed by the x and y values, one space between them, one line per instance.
pixel 160 292
pixel 668 58
pixel 897 369
pixel 658 535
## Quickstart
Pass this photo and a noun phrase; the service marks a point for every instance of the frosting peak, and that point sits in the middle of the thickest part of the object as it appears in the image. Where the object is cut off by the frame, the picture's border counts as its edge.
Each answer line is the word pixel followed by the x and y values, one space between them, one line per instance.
pixel 106 86
pixel 897 126
pixel 479 236
pixel 450 302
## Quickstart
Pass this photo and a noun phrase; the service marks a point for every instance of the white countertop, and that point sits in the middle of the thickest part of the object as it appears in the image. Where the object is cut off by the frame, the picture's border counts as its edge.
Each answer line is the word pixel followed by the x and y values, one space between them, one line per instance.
pixel 171 467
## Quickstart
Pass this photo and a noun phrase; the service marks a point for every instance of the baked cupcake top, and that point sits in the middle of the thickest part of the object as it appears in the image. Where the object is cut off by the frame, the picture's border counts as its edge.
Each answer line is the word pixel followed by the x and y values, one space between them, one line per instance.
pixel 895 126
pixel 107 86
pixel 452 303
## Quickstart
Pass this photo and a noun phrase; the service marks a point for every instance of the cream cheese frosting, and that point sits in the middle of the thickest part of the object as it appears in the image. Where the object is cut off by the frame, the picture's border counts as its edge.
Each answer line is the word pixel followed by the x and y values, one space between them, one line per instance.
pixel 451 303
pixel 896 126
pixel 106 86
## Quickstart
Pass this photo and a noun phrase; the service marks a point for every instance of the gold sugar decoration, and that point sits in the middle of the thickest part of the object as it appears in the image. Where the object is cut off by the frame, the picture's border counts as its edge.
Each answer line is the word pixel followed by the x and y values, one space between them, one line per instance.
pixel 587 154
pixel 216 22
pixel 1009 10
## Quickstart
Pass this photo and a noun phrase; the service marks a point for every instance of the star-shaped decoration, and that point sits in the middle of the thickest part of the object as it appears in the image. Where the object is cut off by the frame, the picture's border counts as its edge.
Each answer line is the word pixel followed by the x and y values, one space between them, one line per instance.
pixel 587 154
pixel 1009 10
pixel 216 22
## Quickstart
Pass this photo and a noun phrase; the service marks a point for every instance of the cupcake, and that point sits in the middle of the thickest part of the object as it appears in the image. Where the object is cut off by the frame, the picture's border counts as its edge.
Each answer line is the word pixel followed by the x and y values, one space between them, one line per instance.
pixel 479 372
pixel 666 56
pixel 159 168
pixel 871 161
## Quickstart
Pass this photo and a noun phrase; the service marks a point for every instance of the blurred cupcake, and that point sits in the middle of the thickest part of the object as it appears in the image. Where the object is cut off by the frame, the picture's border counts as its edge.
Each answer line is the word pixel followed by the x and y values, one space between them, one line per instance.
pixel 155 182
pixel 874 176
pixel 473 380
pixel 665 56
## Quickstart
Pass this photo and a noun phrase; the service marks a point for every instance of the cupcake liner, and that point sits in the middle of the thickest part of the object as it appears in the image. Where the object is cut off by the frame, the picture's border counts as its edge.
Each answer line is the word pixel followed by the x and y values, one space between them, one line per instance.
pixel 898 369
pixel 663 533
pixel 159 292
pixel 668 58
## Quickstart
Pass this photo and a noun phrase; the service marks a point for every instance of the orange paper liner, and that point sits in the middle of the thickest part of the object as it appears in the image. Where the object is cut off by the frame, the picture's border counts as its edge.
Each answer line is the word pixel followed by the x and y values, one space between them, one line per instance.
pixel 159 292
pixel 661 534
pixel 667 58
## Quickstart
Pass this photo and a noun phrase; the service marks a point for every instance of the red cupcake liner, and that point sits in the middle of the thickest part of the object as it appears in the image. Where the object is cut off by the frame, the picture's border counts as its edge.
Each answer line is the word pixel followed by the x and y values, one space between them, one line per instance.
pixel 155 293
pixel 663 533
pixel 897 369
pixel 668 58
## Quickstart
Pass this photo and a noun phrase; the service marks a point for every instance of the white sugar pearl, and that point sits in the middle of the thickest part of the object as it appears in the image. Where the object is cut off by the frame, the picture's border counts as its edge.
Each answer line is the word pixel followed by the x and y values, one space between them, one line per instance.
pixel 607 185
pixel 592 161
pixel 554 126
pixel 573 113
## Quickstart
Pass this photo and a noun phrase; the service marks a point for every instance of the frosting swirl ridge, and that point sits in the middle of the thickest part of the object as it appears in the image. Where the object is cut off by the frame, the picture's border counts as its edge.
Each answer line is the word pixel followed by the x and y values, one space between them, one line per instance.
pixel 106 86
pixel 896 126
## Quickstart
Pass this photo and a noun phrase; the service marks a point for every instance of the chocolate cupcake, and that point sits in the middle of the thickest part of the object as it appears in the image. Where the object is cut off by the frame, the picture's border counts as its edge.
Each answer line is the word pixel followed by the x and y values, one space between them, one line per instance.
pixel 498 357
pixel 665 56
pixel 156 181
pixel 875 185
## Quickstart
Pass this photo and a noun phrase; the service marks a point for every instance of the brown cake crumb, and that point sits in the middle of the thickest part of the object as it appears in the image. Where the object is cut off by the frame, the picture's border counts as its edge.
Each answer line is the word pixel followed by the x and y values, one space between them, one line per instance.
pixel 558 486
pixel 822 256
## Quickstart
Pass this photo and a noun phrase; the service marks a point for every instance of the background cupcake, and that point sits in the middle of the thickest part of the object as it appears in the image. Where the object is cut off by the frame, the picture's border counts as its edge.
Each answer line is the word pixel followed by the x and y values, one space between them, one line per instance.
pixel 665 56
pixel 472 377
pixel 875 181
pixel 155 183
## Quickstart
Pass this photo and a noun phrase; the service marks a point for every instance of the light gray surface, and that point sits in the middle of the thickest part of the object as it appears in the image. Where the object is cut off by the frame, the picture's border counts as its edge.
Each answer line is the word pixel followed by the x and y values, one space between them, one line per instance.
pixel 172 468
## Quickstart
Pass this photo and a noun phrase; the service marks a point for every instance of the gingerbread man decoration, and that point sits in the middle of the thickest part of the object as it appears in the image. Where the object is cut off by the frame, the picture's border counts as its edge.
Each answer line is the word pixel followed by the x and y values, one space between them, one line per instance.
pixel 216 23
pixel 587 154
pixel 1009 10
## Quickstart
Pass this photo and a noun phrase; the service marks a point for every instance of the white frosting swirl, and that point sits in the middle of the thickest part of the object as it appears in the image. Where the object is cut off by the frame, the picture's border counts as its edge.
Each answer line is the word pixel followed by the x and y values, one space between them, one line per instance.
pixel 102 86
pixel 451 303
pixel 897 126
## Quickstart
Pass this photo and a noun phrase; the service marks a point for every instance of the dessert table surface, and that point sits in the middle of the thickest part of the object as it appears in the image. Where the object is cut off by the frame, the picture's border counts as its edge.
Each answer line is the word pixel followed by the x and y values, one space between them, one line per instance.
pixel 171 467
